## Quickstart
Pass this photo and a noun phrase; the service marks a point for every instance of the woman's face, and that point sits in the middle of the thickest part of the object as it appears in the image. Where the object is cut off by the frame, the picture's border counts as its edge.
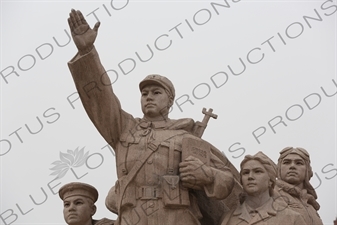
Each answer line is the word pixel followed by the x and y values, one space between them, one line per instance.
pixel 255 178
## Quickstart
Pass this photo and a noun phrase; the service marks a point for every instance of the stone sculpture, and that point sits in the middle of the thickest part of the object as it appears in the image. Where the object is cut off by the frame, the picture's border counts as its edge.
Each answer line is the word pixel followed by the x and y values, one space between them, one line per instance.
pixel 155 186
pixel 258 177
pixel 79 204
pixel 293 186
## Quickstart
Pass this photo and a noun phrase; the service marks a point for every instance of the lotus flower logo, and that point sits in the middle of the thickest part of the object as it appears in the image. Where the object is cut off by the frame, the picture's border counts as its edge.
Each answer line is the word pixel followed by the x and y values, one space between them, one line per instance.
pixel 69 160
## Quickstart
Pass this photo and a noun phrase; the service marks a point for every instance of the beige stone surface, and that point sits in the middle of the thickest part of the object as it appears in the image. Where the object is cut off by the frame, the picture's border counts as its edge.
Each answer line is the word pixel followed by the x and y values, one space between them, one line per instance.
pixel 293 186
pixel 258 178
pixel 154 186
pixel 79 204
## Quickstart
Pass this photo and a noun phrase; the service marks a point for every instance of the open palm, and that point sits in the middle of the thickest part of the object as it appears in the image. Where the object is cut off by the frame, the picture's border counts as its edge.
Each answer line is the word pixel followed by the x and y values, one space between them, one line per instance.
pixel 83 36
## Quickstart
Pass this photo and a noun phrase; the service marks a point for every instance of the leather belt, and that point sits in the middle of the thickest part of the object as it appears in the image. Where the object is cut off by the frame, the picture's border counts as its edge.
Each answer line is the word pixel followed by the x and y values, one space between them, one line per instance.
pixel 148 192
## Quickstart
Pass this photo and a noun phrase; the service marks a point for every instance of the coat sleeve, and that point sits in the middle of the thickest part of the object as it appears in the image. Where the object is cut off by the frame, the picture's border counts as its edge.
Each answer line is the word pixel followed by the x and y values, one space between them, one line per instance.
pixel 299 221
pixel 100 102
pixel 223 180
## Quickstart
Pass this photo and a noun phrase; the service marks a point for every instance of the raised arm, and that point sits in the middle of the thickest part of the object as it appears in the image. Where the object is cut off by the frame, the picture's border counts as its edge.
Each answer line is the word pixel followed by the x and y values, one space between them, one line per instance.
pixel 93 83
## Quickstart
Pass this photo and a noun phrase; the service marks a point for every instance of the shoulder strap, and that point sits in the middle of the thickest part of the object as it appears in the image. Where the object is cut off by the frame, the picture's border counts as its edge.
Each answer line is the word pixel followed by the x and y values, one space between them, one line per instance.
pixel 103 221
pixel 151 148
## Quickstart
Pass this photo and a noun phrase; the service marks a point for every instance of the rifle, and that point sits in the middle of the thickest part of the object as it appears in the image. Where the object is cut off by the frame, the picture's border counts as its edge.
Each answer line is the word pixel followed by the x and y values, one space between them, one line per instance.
pixel 200 127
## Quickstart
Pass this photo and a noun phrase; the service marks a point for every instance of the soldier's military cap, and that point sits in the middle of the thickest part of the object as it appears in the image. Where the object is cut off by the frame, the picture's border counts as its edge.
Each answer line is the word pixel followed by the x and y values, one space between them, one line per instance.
pixel 78 189
pixel 159 80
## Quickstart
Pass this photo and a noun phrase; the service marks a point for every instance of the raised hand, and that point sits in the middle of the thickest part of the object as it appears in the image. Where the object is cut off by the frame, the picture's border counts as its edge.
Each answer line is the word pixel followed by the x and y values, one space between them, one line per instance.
pixel 83 36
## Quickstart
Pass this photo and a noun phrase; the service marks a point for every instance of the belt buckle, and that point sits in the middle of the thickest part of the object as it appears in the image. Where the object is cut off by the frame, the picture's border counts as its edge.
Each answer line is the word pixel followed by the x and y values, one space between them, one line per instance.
pixel 148 192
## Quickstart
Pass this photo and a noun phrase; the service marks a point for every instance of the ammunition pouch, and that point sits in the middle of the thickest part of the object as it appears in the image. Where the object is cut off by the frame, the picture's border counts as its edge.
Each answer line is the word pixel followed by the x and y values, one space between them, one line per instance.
pixel 173 193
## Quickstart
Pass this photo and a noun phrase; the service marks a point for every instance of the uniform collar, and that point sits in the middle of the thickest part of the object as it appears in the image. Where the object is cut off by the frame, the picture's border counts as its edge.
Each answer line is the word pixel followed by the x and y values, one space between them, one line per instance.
pixel 144 123
pixel 298 193
pixel 265 211
pixel 180 124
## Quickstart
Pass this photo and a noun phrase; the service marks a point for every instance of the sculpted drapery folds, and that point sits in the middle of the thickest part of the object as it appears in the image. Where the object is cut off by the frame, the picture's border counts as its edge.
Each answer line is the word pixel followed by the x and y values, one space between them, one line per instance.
pixel 155 185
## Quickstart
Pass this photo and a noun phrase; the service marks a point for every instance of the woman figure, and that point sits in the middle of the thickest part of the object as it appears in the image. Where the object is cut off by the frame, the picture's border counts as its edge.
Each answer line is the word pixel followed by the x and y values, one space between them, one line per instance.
pixel 292 186
pixel 258 178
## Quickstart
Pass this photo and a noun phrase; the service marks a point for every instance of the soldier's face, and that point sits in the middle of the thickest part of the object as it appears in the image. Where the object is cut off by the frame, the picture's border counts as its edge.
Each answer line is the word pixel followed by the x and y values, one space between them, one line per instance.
pixel 77 210
pixel 293 169
pixel 155 102
pixel 255 178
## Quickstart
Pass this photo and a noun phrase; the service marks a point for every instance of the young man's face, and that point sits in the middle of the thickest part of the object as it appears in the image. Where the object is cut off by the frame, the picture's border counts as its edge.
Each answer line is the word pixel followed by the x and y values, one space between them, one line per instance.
pixel 293 169
pixel 255 178
pixel 78 211
pixel 155 102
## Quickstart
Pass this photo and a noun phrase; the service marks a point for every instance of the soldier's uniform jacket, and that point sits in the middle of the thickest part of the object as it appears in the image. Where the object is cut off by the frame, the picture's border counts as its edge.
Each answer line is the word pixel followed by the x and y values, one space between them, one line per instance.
pixel 154 195
pixel 299 200
pixel 270 213
pixel 103 221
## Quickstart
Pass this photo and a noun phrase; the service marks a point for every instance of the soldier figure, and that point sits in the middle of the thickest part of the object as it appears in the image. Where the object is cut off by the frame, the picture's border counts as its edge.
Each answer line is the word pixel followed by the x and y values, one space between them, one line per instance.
pixel 258 177
pixel 79 204
pixel 155 186
pixel 293 186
